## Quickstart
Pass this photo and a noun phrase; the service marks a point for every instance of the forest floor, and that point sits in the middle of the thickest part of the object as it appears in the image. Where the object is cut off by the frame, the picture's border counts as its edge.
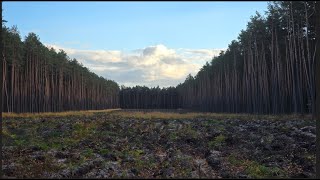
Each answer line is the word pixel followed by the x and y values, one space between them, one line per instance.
pixel 128 144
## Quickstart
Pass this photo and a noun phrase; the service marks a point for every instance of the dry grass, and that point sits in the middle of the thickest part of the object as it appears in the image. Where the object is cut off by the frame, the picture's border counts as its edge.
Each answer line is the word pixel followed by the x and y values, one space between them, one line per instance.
pixel 195 115
pixel 157 115
pixel 56 114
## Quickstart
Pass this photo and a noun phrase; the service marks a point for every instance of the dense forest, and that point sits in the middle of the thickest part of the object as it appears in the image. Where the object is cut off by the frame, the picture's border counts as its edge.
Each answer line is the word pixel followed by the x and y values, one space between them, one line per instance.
pixel 149 98
pixel 39 79
pixel 269 69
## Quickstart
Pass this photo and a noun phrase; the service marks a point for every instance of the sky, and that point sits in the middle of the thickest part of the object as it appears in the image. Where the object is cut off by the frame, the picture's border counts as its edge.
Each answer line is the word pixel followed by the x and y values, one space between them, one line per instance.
pixel 135 43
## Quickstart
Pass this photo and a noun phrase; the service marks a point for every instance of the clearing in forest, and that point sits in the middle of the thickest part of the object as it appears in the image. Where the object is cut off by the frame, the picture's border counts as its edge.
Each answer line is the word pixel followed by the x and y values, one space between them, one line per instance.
pixel 119 143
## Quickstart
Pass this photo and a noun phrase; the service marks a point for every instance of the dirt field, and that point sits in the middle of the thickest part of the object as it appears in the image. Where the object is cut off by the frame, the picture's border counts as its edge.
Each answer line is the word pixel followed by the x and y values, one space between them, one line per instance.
pixel 116 143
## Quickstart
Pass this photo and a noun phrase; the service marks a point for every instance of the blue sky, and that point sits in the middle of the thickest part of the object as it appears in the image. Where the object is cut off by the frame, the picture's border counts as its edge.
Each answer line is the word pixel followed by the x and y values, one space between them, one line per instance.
pixel 124 29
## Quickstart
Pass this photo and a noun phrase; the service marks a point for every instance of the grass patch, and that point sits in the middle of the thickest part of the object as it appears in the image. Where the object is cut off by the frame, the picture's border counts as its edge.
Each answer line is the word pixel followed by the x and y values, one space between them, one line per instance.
pixel 254 169
pixel 136 153
pixel 5 132
pixel 197 115
pixel 153 115
pixel 234 160
pixel 156 115
pixel 88 153
pixel 20 142
pixel 69 141
pixel 104 151
pixel 43 146
pixel 83 130
pixel 212 122
pixel 189 132
pixel 217 142
pixel 56 114
pixel 173 136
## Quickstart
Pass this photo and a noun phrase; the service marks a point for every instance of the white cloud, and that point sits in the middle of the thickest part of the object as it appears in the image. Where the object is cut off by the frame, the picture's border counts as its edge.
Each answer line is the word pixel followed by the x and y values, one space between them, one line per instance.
pixel 150 66
pixel 95 55
pixel 103 68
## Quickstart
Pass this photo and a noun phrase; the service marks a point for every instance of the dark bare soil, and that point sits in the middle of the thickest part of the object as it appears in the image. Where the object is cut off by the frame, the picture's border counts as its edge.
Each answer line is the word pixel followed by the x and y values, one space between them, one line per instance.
pixel 107 145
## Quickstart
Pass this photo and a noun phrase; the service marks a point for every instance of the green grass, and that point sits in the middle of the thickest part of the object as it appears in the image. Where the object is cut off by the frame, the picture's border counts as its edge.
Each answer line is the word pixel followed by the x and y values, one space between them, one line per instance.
pixel 211 122
pixel 104 151
pixel 136 153
pixel 88 153
pixel 217 142
pixel 43 145
pixel 254 169
pixel 83 130
pixel 189 132
pixel 20 142
pixel 173 136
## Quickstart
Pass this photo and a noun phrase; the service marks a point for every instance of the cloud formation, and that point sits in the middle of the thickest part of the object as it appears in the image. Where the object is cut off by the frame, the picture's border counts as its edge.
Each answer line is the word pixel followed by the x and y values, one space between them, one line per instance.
pixel 150 66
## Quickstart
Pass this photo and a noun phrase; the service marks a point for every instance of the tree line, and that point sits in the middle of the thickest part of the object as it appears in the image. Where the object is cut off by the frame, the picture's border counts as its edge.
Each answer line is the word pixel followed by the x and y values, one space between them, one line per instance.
pixel 39 79
pixel 270 68
pixel 141 97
